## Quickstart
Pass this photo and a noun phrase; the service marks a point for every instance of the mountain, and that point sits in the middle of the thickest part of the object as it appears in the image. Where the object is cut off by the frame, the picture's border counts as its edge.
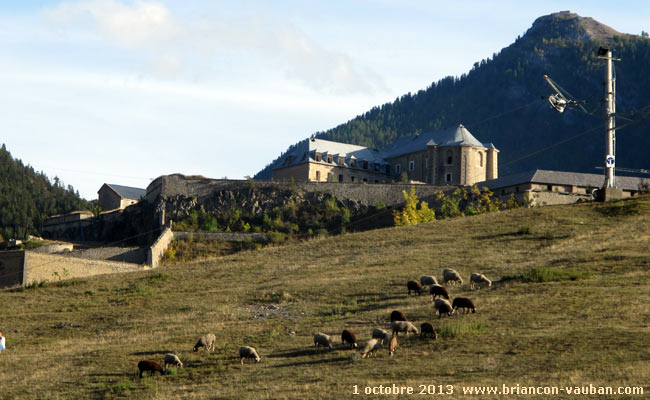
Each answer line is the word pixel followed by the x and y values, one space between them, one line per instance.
pixel 500 101
pixel 28 197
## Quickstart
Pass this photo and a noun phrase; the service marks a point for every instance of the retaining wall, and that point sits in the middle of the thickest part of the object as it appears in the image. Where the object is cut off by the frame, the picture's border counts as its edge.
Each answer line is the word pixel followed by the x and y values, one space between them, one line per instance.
pixel 53 267
pixel 229 236
pixel 155 252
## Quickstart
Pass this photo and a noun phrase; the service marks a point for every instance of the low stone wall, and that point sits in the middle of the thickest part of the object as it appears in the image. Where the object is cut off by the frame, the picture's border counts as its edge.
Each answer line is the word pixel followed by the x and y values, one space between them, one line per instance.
pixel 12 265
pixel 54 248
pixel 155 252
pixel 228 236
pixel 53 267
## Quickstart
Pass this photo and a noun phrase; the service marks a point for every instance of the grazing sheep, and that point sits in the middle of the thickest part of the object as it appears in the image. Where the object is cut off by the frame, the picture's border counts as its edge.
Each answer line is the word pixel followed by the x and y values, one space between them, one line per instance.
pixel 248 352
pixel 450 275
pixel 427 280
pixel 427 329
pixel 404 326
pixel 392 345
pixel 437 290
pixel 151 366
pixel 206 341
pixel 380 334
pixel 321 339
pixel 443 306
pixel 371 346
pixel 397 315
pixel 414 286
pixel 350 338
pixel 172 359
pixel 477 279
pixel 464 303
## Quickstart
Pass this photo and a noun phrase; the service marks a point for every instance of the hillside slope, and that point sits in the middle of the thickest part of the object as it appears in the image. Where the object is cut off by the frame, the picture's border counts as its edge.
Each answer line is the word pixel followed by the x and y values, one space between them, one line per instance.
pixel 84 338
pixel 499 101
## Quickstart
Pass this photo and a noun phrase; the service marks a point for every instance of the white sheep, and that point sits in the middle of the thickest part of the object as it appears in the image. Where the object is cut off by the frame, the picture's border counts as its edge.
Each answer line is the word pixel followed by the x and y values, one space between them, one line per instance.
pixel 477 279
pixel 321 339
pixel 172 359
pixel 380 334
pixel 371 346
pixel 206 341
pixel 404 326
pixel 427 280
pixel 248 352
pixel 450 275
pixel 443 306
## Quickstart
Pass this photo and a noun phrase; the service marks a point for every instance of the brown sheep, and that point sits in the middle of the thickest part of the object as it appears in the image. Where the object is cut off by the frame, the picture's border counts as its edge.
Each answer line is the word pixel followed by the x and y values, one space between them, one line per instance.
pixel 392 345
pixel 437 290
pixel 464 303
pixel 151 366
pixel 414 286
pixel 427 329
pixel 397 315
pixel 350 338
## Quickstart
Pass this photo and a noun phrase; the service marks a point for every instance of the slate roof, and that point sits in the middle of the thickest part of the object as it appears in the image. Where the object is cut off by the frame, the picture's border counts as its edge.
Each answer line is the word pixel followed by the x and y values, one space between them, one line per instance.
pixel 456 136
pixel 127 192
pixel 305 151
pixel 546 177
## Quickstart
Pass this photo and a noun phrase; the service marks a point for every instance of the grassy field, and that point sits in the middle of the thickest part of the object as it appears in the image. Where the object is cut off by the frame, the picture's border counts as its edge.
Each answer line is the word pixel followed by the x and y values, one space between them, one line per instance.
pixel 570 306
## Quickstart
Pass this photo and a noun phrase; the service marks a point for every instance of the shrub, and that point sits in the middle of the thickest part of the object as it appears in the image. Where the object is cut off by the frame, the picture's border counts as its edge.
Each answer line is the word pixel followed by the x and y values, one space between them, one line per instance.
pixel 410 214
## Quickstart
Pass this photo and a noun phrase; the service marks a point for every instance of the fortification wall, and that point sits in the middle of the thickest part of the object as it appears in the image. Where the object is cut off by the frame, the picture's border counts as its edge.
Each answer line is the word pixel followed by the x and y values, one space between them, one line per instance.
pixel 369 194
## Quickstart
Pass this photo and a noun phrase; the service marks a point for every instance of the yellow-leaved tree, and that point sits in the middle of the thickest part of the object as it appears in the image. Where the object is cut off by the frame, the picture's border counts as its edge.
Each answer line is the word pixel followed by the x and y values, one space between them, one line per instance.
pixel 411 214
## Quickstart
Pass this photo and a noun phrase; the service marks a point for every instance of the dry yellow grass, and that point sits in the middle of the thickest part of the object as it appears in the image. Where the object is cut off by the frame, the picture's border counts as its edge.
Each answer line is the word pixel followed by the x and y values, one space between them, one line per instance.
pixel 84 338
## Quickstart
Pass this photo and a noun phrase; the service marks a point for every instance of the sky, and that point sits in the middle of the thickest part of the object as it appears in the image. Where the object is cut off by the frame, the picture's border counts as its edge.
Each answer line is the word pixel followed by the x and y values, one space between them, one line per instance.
pixel 123 91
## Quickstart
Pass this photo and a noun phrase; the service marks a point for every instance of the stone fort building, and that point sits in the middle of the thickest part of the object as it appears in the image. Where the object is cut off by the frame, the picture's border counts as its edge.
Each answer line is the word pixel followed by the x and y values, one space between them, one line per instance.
pixel 448 157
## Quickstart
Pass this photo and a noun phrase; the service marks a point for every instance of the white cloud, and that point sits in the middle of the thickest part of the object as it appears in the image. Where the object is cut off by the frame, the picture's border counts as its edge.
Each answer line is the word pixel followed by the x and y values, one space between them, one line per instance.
pixel 174 46
pixel 141 24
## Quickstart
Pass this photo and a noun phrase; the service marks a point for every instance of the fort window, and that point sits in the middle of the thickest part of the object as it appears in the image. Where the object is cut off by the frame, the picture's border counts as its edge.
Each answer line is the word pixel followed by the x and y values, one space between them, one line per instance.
pixel 480 159
pixel 448 178
pixel 317 157
pixel 341 160
pixel 329 177
pixel 549 188
pixel 365 180
pixel 411 165
pixel 377 167
pixel 318 175
pixel 352 178
pixel 353 162
pixel 398 169
pixel 329 158
pixel 365 165
pixel 450 158
pixel 340 178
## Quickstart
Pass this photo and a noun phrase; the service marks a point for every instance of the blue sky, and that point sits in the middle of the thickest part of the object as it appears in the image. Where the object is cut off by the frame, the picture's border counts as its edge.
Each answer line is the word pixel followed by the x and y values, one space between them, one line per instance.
pixel 124 91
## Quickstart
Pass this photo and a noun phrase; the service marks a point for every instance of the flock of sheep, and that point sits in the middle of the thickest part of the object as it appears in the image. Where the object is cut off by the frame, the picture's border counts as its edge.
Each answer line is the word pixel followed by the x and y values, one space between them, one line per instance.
pixel 205 341
pixel 399 323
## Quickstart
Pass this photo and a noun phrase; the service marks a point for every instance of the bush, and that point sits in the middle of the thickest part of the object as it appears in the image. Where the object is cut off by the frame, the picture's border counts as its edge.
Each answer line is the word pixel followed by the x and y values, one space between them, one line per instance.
pixel 410 214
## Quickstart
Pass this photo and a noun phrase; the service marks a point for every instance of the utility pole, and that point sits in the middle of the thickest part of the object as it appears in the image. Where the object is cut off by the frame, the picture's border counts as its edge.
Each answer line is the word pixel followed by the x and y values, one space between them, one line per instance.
pixel 610 110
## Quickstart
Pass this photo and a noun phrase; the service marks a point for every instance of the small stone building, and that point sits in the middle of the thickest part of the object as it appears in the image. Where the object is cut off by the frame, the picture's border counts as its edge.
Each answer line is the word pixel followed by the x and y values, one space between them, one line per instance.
pixel 448 157
pixel 543 187
pixel 113 196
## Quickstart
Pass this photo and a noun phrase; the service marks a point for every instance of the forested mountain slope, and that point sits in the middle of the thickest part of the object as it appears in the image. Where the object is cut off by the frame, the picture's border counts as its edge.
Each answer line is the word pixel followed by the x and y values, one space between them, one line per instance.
pixel 500 101
pixel 28 197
